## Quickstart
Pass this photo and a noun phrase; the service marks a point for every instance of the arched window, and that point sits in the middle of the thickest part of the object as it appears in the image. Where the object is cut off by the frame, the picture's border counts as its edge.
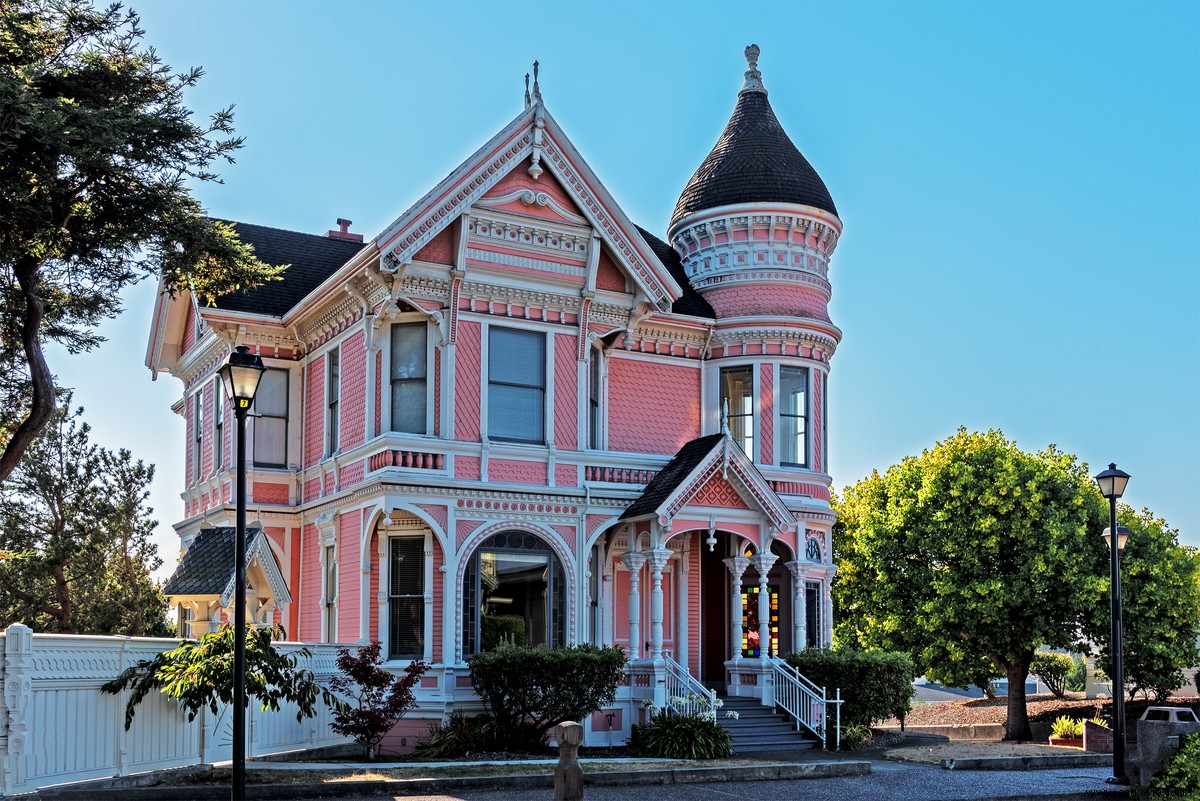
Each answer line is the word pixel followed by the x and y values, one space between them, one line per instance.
pixel 514 590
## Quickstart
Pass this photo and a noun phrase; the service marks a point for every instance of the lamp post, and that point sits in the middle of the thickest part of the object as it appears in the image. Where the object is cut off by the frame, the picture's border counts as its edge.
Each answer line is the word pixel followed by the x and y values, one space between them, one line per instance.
pixel 240 375
pixel 1112 485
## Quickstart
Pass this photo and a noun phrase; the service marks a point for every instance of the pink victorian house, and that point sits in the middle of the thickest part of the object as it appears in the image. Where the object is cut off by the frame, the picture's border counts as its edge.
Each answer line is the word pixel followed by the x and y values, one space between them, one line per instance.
pixel 513 413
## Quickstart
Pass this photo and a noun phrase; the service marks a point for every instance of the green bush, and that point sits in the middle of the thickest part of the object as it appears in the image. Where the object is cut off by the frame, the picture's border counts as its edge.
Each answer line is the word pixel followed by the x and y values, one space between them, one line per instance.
pixel 461 735
pixel 499 629
pixel 1180 778
pixel 1066 727
pixel 1077 678
pixel 540 688
pixel 876 685
pixel 856 736
pixel 1053 669
pixel 669 735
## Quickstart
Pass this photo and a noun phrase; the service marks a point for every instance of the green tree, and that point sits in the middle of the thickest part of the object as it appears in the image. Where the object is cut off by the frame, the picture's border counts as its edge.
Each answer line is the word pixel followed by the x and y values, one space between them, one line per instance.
pixel 972 552
pixel 200 674
pixel 74 521
pixel 1160 599
pixel 97 150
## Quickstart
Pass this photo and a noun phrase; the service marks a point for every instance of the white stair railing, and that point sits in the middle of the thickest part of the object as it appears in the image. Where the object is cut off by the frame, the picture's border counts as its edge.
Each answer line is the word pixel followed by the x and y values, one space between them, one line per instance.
pixel 686 695
pixel 807 703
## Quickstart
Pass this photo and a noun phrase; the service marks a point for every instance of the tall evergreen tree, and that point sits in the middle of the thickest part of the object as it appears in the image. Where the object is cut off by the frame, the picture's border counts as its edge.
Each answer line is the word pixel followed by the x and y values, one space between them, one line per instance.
pixel 97 151
pixel 75 537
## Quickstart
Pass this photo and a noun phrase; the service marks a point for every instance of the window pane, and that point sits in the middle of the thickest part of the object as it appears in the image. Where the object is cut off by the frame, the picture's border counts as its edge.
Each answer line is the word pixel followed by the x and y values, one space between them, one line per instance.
pixel 792 385
pixel 515 413
pixel 408 351
pixel 406 571
pixel 737 391
pixel 271 397
pixel 517 357
pixel 406 632
pixel 793 414
pixel 408 406
pixel 791 438
pixel 270 441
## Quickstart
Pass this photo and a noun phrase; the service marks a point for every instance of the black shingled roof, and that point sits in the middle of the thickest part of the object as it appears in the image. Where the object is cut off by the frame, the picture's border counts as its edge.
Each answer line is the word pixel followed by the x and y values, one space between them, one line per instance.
pixel 754 161
pixel 690 302
pixel 207 566
pixel 663 484
pixel 312 257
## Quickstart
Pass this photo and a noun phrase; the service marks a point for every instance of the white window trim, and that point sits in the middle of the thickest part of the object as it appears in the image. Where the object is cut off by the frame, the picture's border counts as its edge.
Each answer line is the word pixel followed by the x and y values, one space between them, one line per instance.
pixel 547 385
pixel 384 623
pixel 809 460
pixel 197 443
pixel 218 432
pixel 332 425
pixel 293 402
pixel 755 406
pixel 385 398
pixel 329 549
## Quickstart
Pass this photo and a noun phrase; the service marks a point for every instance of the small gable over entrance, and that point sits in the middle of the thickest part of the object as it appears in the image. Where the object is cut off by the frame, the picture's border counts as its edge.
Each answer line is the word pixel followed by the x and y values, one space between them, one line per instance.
pixel 204 580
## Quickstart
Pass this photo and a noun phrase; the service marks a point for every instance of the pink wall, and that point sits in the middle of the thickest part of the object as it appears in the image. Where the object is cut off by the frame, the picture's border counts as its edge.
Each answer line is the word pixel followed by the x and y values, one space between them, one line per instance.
pixel 309 596
pixel 206 447
pixel 349 567
pixel 775 300
pixel 466 392
pixel 652 407
pixel 608 276
pixel 517 471
pixel 352 400
pixel 440 250
pixel 766 395
pixel 263 492
pixel 566 392
pixel 189 328
pixel 380 379
pixel 817 429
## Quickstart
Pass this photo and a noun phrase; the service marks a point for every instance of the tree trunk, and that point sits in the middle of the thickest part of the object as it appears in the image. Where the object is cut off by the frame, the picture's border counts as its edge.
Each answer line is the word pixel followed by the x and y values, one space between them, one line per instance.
pixel 42 406
pixel 62 590
pixel 1017 725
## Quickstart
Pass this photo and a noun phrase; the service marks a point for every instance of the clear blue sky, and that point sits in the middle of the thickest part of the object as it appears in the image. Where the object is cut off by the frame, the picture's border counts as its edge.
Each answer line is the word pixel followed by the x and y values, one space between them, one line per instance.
pixel 1019 183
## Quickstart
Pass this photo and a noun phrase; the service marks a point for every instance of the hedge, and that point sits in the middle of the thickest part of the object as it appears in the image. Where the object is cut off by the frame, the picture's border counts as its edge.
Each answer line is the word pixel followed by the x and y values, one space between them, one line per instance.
pixel 875 685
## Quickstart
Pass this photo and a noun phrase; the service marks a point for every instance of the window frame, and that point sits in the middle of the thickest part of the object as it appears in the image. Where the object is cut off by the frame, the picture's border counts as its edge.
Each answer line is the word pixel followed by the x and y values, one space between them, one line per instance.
pixel 491 382
pixel 198 435
pixel 750 417
pixel 595 401
pixel 425 381
pixel 420 597
pixel 333 390
pixel 329 593
pixel 218 461
pixel 257 416
pixel 556 573
pixel 804 416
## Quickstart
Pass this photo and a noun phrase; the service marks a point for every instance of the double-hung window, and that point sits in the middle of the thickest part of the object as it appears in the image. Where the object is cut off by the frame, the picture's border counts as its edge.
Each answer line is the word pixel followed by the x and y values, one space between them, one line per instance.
pixel 218 426
pixel 197 435
pixel 409 375
pixel 406 597
pixel 594 402
pixel 330 595
pixel 516 385
pixel 793 416
pixel 332 390
pixel 270 419
pixel 737 403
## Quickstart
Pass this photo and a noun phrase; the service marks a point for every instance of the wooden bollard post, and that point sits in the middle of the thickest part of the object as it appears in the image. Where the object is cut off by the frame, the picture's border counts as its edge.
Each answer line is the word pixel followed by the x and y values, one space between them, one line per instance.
pixel 568 775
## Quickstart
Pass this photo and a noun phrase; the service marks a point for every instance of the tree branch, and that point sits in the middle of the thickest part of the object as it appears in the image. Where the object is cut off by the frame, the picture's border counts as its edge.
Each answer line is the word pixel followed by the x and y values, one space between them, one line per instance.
pixel 42 405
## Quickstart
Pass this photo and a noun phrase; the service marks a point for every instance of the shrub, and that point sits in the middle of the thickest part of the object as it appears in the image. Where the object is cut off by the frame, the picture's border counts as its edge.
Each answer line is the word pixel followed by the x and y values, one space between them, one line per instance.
pixel 540 688
pixel 876 685
pixel 200 674
pixel 856 736
pixel 459 735
pixel 1180 778
pixel 1077 679
pixel 670 735
pixel 1066 727
pixel 1053 670
pixel 380 697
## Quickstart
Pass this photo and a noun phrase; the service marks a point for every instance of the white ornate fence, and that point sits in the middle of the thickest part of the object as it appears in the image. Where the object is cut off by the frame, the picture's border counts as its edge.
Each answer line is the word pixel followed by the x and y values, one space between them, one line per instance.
pixel 57 726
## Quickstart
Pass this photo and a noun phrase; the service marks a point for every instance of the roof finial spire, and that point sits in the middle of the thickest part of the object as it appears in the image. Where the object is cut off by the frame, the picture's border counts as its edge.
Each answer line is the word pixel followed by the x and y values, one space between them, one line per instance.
pixel 528 102
pixel 537 92
pixel 753 82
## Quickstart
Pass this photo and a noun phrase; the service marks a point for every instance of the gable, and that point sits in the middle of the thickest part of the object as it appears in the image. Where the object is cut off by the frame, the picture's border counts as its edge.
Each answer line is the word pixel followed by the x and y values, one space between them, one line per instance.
pixel 718 492
pixel 534 146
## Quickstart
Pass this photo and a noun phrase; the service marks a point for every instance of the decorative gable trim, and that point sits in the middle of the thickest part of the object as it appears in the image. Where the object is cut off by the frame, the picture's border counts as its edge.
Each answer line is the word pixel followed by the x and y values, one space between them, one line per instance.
pixel 259 551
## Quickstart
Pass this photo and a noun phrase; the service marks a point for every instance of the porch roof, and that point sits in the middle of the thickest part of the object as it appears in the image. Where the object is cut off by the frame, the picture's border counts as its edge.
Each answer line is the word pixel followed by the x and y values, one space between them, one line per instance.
pixel 670 477
pixel 208 564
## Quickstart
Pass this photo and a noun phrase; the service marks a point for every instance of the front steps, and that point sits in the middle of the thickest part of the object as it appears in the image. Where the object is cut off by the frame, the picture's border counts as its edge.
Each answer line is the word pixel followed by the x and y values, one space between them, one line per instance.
pixel 759 728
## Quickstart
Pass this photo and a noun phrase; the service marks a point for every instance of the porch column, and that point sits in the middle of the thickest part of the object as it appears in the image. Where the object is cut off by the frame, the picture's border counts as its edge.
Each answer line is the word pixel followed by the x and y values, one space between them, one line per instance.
pixel 827 605
pixel 658 558
pixel 799 613
pixel 633 561
pixel 682 570
pixel 737 566
pixel 762 563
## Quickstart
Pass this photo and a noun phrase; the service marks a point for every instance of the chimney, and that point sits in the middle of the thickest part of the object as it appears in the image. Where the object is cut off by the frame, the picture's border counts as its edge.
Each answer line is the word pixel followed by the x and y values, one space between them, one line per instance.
pixel 343 232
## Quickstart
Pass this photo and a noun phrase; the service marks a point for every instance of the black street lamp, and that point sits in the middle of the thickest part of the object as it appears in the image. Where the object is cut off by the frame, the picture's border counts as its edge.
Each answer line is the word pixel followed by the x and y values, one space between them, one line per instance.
pixel 240 375
pixel 1112 485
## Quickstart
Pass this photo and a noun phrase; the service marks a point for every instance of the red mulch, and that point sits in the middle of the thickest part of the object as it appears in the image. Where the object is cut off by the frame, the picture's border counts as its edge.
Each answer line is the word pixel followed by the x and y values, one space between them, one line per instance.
pixel 1042 708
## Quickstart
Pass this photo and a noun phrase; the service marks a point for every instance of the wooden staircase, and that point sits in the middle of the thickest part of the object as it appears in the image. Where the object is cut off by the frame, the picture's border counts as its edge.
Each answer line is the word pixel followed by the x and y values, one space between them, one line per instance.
pixel 760 728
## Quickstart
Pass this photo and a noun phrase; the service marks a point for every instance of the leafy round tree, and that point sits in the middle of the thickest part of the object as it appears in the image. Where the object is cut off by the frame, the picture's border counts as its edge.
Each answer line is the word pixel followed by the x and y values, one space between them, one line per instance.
pixel 1160 600
pixel 97 150
pixel 975 550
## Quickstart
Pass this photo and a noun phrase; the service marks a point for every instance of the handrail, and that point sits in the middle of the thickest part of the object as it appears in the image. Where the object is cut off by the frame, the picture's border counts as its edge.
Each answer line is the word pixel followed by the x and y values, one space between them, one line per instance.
pixel 686 695
pixel 807 703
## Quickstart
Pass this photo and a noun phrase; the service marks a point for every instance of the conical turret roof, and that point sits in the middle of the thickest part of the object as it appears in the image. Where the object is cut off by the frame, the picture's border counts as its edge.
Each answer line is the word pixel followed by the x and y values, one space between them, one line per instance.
pixel 754 161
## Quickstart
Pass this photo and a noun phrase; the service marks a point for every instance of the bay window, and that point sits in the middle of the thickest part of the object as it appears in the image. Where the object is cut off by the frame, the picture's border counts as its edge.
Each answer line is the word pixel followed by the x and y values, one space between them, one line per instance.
pixel 737 403
pixel 793 416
